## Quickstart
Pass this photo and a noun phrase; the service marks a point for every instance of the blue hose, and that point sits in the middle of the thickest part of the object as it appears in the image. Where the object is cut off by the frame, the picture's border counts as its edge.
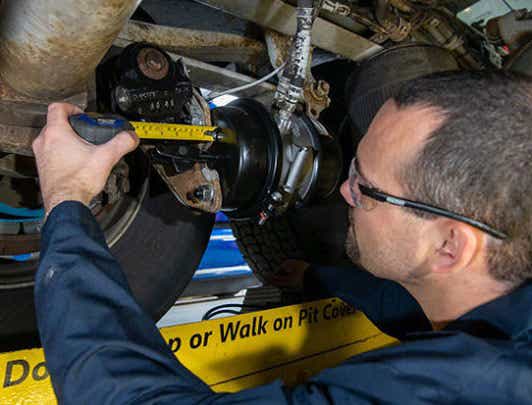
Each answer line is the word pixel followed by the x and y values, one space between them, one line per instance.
pixel 20 214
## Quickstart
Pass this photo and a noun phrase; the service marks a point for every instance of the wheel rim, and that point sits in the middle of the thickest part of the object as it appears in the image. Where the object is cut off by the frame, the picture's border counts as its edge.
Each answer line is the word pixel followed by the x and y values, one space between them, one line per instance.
pixel 18 271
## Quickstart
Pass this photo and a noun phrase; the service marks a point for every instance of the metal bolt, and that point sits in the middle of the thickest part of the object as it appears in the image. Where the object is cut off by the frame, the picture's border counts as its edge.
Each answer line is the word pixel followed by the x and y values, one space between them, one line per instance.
pixel 152 63
pixel 324 86
pixel 122 97
pixel 277 197
pixel 217 134
pixel 153 60
pixel 204 193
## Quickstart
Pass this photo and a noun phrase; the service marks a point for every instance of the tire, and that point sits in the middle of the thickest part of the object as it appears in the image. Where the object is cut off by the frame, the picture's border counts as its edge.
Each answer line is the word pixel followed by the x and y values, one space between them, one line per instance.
pixel 159 253
pixel 266 247
pixel 379 77
pixel 315 234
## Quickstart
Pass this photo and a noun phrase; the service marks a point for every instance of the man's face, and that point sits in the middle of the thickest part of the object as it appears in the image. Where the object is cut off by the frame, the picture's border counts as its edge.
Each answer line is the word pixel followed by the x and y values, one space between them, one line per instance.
pixel 387 240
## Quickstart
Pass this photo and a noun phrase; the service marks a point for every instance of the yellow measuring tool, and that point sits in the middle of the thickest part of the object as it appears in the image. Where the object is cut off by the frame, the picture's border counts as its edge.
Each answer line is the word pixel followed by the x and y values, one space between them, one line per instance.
pixel 98 129
pixel 174 132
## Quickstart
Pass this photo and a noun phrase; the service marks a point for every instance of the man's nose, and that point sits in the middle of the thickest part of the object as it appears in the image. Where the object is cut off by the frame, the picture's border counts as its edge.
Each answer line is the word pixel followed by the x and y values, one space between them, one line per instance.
pixel 346 193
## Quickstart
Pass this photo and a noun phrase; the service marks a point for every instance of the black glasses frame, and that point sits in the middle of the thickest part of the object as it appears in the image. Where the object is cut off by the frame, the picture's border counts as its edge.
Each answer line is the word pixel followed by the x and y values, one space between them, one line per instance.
pixel 381 196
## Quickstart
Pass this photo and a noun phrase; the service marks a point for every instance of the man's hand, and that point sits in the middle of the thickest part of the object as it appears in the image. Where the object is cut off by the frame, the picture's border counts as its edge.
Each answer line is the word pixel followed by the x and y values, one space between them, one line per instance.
pixel 71 169
pixel 291 274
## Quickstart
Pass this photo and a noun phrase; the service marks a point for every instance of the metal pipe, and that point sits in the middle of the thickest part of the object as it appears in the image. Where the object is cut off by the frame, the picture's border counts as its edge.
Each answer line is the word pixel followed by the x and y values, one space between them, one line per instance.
pixel 290 88
pixel 48 48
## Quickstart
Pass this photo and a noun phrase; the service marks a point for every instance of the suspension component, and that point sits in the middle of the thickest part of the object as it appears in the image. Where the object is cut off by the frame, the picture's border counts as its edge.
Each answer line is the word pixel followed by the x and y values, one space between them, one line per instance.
pixel 244 163
pixel 144 83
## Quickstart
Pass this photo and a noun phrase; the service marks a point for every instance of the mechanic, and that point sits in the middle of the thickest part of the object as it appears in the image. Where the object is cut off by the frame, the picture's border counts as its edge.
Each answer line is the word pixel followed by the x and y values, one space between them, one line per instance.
pixel 451 278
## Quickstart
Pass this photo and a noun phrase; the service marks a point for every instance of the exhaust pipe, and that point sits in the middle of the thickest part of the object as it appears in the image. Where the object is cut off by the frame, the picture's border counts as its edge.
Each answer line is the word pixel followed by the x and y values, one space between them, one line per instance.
pixel 49 48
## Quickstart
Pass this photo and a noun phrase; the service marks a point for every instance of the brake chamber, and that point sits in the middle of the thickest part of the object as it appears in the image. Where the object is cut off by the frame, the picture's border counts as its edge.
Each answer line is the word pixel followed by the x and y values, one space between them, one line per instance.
pixel 262 174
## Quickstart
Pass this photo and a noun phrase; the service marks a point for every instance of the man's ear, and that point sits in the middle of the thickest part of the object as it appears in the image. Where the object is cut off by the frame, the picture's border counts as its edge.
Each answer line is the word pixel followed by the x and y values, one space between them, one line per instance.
pixel 457 246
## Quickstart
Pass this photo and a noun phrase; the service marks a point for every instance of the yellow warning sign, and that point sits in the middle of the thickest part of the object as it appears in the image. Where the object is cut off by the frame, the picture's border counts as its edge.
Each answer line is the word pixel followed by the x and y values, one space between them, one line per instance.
pixel 230 354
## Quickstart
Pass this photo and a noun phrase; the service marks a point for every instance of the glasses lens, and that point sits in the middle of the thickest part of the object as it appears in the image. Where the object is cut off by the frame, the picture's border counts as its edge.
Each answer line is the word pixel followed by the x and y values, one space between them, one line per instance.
pixel 359 201
pixel 353 184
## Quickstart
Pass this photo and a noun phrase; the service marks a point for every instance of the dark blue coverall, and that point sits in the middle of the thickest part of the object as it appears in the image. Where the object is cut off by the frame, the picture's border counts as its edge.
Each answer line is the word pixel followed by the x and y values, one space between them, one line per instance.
pixel 102 348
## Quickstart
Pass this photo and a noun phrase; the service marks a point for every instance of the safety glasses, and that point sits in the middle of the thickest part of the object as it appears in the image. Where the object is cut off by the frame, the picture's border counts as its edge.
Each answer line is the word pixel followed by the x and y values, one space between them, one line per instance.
pixel 359 188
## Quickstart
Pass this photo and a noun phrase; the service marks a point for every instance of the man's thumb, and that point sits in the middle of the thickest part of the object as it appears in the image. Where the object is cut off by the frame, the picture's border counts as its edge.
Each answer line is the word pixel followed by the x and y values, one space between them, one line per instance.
pixel 122 143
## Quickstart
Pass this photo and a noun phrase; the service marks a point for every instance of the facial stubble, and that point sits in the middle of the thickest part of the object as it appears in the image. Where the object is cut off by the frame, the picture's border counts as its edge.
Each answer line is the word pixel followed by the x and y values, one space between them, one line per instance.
pixel 351 245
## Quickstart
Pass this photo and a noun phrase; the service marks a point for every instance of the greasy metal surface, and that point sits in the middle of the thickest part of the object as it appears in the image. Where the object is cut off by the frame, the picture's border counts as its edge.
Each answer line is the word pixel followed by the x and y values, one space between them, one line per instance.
pixel 152 63
pixel 48 48
pixel 18 140
pixel 278 47
pixel 281 17
pixel 22 117
pixel 203 45
pixel 18 109
pixel 212 77
pixel 8 94
pixel 23 114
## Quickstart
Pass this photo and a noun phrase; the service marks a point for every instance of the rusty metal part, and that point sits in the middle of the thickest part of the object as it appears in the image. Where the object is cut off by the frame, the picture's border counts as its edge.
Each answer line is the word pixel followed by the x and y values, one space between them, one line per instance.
pixel 152 63
pixel 335 7
pixel 117 183
pixel 184 186
pixel 48 48
pixel 403 5
pixel 281 17
pixel 203 116
pixel 208 46
pixel 17 109
pixel 24 114
pixel 364 17
pixel 392 26
pixel 396 29
pixel 278 47
pixel 400 31
pixel 316 97
pixel 14 139
pixel 217 79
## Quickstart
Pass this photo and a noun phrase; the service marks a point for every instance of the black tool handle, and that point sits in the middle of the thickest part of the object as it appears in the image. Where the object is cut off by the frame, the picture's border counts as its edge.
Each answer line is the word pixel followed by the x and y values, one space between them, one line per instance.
pixel 98 128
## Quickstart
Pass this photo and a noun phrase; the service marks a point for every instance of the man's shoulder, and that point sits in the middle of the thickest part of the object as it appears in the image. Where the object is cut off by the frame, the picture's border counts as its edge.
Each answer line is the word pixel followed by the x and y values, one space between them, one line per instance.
pixel 441 367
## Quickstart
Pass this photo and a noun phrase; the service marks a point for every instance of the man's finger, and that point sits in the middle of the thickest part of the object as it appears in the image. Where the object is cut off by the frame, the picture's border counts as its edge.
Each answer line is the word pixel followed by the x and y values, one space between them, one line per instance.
pixel 58 113
pixel 122 143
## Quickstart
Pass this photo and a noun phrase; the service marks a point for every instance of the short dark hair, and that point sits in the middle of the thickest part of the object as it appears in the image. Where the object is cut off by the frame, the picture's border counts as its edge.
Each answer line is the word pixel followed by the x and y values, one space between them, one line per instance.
pixel 479 162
